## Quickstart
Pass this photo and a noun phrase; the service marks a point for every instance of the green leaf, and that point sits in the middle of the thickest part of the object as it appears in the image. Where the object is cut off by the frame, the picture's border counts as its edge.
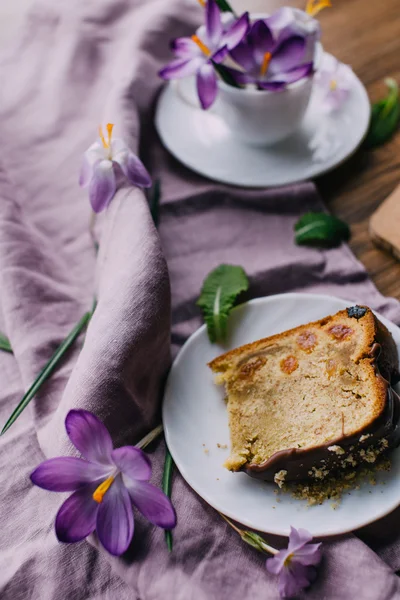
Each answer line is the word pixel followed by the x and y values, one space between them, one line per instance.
pixel 5 343
pixel 224 6
pixel 319 228
pixel 167 487
pixel 225 75
pixel 385 116
pixel 47 370
pixel 155 201
pixel 218 295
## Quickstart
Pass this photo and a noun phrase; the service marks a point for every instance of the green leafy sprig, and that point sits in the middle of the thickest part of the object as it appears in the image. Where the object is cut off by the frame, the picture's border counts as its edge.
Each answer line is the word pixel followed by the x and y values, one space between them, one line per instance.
pixel 224 6
pixel 385 116
pixel 225 75
pixel 5 343
pixel 218 295
pixel 315 228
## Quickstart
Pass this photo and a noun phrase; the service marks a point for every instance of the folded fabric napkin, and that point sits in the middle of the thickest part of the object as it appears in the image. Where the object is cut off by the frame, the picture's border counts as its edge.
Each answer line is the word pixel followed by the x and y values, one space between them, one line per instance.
pixel 79 64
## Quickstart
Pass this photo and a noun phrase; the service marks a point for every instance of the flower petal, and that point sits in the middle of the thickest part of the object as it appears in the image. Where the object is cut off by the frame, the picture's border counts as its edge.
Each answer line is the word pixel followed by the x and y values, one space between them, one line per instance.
pixel 275 564
pixel 66 474
pixel 182 67
pixel 86 172
pixel 152 503
pixel 281 18
pixel 76 518
pixel 220 54
pixel 132 462
pixel 294 579
pixel 280 81
pixel 90 436
pixel 243 55
pixel 133 168
pixel 236 32
pixel 206 86
pixel 185 47
pixel 260 40
pixel 213 23
pixel 309 555
pixel 102 185
pixel 271 86
pixel 114 523
pixel 287 55
pixel 298 538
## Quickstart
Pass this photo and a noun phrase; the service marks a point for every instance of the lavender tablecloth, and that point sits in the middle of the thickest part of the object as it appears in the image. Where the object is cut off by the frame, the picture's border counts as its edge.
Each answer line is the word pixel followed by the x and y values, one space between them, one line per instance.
pixel 78 64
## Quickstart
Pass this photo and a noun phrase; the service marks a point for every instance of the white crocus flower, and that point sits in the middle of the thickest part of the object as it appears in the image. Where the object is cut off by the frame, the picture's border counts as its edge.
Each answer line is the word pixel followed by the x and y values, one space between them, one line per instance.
pixel 101 162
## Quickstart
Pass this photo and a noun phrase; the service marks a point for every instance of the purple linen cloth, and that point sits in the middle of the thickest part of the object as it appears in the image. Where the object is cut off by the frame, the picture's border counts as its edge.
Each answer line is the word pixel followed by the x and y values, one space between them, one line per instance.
pixel 79 64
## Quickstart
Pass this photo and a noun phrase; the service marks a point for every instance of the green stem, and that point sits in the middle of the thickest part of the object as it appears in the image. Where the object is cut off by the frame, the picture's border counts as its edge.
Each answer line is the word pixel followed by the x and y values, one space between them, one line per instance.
pixel 167 487
pixel 47 370
pixel 150 437
pixel 251 538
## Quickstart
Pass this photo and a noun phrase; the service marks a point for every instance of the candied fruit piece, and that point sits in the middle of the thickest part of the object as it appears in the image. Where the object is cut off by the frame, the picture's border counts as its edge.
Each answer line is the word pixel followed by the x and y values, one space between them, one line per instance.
pixel 340 332
pixel 289 364
pixel 307 341
pixel 356 311
pixel 251 366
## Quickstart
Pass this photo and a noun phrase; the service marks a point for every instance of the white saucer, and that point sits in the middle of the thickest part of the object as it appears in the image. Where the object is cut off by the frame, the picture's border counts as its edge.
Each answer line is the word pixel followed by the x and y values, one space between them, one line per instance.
pixel 202 141
pixel 195 421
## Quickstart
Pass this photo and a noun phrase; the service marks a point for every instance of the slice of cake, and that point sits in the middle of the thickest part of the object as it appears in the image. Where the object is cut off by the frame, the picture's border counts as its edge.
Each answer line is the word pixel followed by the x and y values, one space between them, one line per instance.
pixel 312 400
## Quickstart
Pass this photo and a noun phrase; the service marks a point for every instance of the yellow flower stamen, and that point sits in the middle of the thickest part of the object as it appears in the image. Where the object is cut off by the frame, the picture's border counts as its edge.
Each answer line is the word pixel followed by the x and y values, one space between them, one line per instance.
pixel 288 560
pixel 99 492
pixel 202 2
pixel 265 63
pixel 106 142
pixel 202 46
pixel 333 85
pixel 313 7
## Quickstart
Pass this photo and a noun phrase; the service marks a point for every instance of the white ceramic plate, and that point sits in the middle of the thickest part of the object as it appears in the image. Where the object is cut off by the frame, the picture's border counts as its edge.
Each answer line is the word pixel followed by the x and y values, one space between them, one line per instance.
pixel 195 421
pixel 203 142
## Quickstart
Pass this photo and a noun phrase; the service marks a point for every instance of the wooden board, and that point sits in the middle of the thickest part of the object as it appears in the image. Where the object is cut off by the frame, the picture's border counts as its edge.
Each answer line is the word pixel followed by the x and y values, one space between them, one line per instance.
pixel 384 225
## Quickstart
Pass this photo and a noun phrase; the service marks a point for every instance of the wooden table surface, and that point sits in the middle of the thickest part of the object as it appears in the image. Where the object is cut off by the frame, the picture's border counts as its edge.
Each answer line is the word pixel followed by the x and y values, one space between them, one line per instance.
pixel 366 35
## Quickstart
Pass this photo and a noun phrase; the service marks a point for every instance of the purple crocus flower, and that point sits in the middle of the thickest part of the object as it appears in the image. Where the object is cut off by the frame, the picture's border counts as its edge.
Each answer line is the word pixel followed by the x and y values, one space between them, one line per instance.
pixel 287 22
pixel 100 163
pixel 105 484
pixel 295 565
pixel 268 64
pixel 196 55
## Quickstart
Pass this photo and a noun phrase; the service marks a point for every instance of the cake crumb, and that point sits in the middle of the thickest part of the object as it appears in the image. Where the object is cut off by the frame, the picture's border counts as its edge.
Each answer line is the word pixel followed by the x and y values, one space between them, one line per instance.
pixel 333 488
pixel 222 446
pixel 350 459
pixel 206 451
pixel 318 473
pixel 336 449
pixel 279 477
pixel 369 455
pixel 364 437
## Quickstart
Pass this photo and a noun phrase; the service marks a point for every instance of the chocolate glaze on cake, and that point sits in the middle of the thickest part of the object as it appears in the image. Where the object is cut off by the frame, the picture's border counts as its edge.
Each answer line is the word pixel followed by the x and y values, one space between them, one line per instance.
pixel 298 464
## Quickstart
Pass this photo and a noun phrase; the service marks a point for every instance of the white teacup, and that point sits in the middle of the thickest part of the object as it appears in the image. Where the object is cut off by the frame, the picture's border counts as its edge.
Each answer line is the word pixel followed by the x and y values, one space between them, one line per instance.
pixel 262 117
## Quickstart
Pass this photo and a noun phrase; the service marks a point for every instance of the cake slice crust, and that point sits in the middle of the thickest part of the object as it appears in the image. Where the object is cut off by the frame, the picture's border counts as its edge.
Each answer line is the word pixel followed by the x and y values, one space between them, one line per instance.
pixel 297 400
